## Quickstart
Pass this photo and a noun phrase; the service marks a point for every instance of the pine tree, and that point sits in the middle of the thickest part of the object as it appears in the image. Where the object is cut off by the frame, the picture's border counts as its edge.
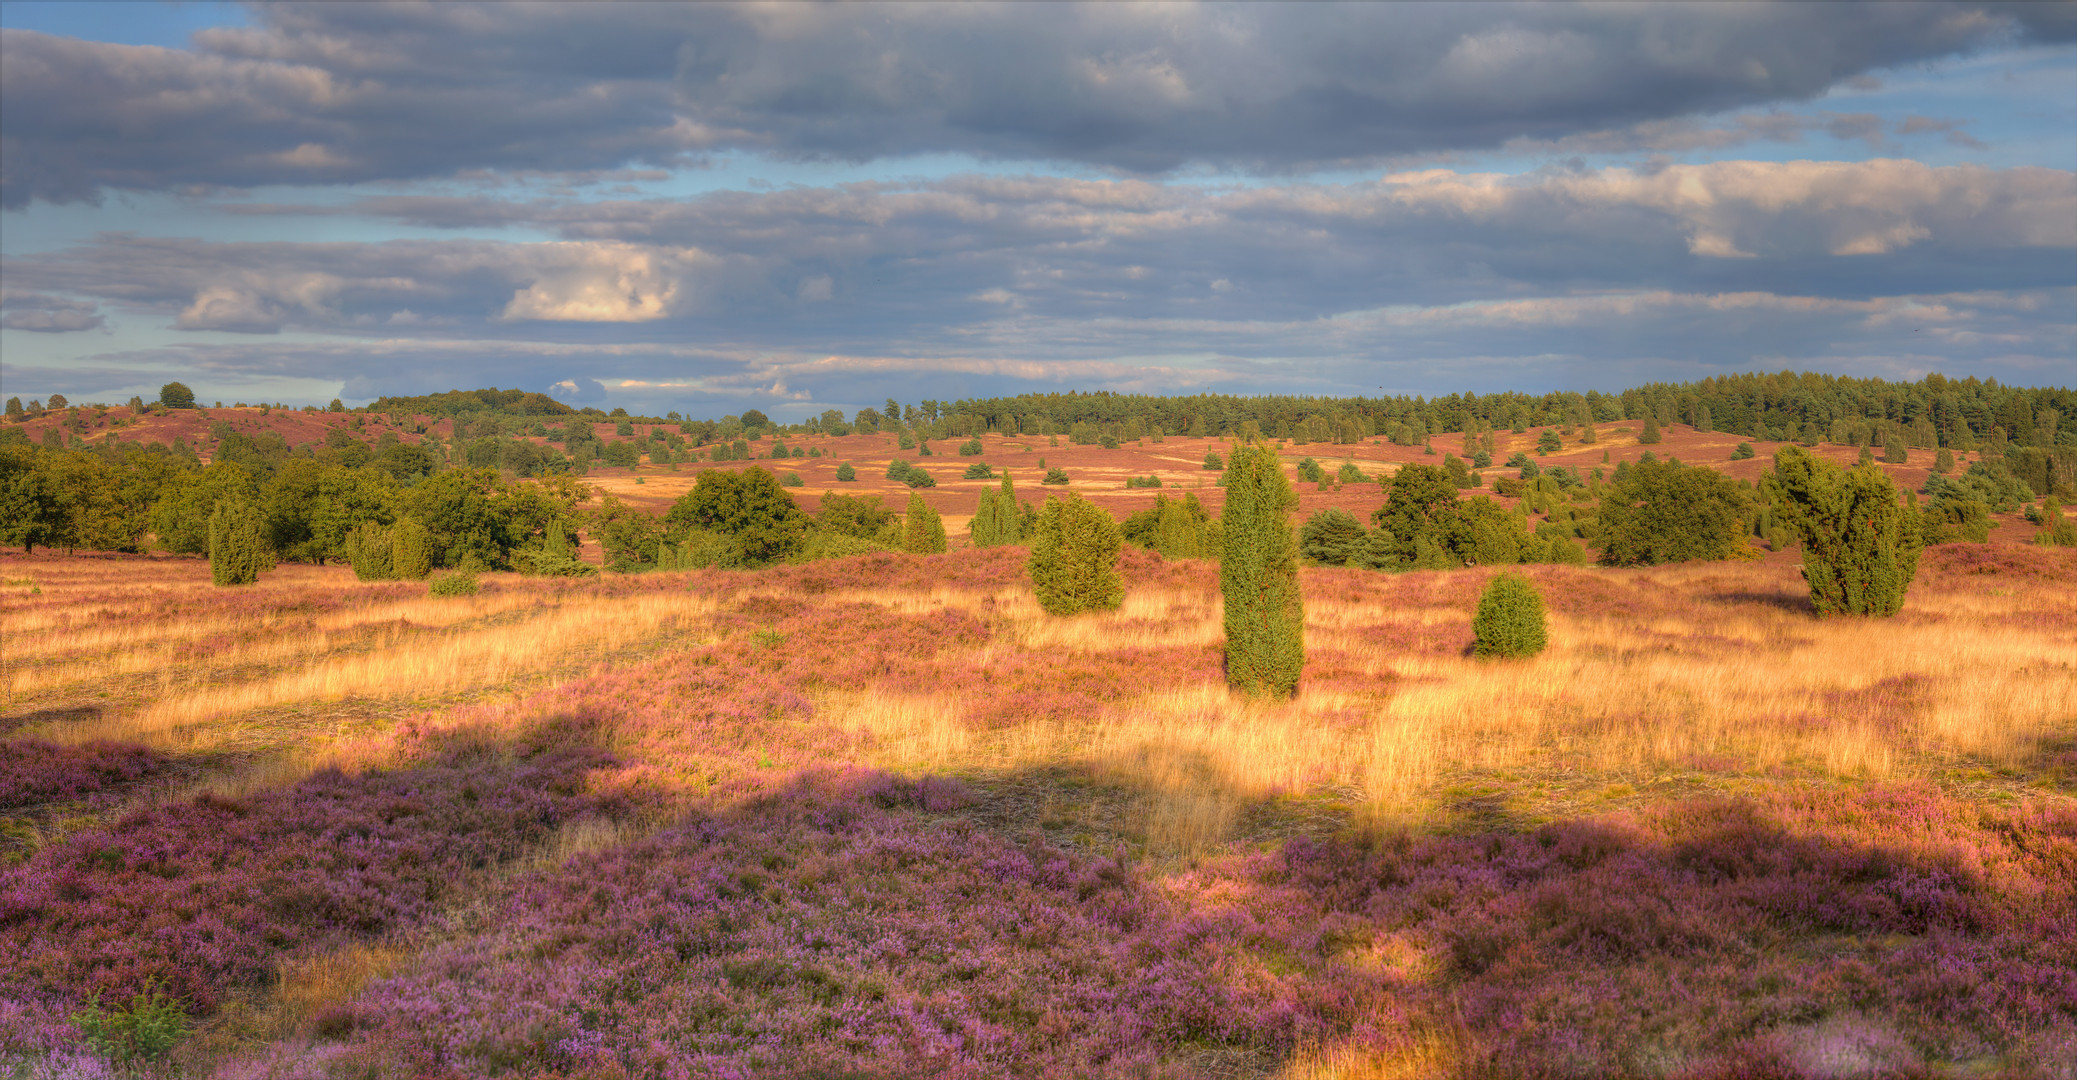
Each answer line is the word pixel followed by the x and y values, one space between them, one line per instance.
pixel 923 532
pixel 1860 548
pixel 1074 558
pixel 1943 462
pixel 1651 429
pixel 411 550
pixel 1258 577
pixel 846 473
pixel 1893 450
pixel 238 548
pixel 1509 622
pixel 1703 422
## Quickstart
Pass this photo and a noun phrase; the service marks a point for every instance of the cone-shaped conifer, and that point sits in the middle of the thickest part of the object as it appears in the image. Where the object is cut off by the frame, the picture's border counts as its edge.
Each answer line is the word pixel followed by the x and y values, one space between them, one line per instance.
pixel 1258 577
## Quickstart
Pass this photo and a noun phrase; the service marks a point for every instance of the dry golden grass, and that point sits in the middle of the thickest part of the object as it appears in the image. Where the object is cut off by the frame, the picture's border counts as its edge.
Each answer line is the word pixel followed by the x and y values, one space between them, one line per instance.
pixel 1743 690
pixel 1738 682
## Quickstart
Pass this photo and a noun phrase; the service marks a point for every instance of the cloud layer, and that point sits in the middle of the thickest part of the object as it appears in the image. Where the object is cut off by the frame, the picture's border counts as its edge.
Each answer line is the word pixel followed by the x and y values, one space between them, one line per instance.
pixel 328 93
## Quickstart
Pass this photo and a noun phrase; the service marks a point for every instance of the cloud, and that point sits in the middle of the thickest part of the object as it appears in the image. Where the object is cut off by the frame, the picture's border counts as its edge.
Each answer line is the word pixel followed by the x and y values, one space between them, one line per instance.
pixel 585 282
pixel 48 314
pixel 578 389
pixel 981 283
pixel 359 92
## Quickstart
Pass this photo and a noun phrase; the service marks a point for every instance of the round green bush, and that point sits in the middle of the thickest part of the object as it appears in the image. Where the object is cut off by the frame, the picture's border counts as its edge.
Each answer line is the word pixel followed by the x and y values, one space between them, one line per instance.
pixel 1509 622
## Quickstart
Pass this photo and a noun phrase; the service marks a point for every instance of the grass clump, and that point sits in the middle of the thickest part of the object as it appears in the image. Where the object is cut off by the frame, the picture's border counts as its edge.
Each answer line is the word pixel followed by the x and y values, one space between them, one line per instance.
pixel 1509 623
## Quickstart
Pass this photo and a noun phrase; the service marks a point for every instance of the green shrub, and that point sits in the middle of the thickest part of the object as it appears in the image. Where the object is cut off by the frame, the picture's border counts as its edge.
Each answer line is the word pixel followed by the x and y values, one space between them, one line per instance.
pixel 822 544
pixel 899 469
pixel 923 531
pixel 1055 475
pixel 971 447
pixel 1548 442
pixel 410 550
pixel 238 548
pixel 1350 474
pixel 1949 521
pixel 917 478
pixel 1148 481
pixel 1309 471
pixel 1742 451
pixel 846 473
pixel 762 523
pixel 906 441
pixel 1074 558
pixel 143 1030
pixel 453 583
pixel 1860 548
pixel 1509 622
pixel 2056 530
pixel 791 479
pixel 998 518
pixel 1893 451
pixel 979 470
pixel 1213 462
pixel 370 551
pixel 1663 511
pixel 1651 432
pixel 1258 577
pixel 1330 537
pixel 1943 462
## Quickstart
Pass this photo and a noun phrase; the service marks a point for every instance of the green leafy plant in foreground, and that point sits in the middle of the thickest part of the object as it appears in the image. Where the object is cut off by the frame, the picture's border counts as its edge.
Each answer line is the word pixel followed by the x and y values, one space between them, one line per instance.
pixel 143 1030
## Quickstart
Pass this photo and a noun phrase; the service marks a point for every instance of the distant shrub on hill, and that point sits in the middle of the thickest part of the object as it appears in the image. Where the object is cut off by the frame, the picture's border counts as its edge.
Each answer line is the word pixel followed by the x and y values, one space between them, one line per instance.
pixel 846 474
pixel 1055 475
pixel 971 447
pixel 1148 481
pixel 979 470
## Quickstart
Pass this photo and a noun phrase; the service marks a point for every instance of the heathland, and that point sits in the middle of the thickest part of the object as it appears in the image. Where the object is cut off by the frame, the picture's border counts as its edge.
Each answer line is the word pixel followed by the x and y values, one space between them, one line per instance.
pixel 880 814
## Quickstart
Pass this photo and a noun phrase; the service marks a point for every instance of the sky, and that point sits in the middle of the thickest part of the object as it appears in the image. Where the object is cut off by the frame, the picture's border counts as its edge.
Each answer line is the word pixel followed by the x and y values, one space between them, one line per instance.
pixel 796 207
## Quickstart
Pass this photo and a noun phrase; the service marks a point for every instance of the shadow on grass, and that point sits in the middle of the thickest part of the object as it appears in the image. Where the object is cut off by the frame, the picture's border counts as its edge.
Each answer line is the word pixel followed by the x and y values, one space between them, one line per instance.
pixel 851 922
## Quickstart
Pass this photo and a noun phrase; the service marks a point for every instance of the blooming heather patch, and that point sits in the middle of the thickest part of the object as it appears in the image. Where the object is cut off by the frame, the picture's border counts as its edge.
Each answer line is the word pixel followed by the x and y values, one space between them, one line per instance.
pixel 1591 947
pixel 203 895
pixel 33 771
pixel 836 929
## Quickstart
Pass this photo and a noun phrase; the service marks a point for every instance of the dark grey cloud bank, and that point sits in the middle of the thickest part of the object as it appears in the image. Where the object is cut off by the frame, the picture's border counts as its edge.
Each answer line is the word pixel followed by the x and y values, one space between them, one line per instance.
pixel 985 284
pixel 328 93
pixel 851 268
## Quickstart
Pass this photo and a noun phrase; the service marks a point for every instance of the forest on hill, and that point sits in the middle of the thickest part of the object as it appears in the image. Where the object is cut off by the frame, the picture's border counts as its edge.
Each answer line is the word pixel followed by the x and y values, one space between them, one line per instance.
pixel 491 477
